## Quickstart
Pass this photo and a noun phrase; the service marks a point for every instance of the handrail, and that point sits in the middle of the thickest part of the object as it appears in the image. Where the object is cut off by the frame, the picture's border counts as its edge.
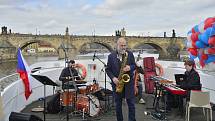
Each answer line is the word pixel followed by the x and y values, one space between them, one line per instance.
pixel 209 89
pixel 7 76
pixel 7 80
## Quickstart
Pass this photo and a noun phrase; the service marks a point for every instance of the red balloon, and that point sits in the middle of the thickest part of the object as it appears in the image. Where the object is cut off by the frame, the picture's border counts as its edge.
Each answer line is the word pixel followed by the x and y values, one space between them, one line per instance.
pixel 194 36
pixel 211 41
pixel 211 50
pixel 201 62
pixel 194 45
pixel 208 22
pixel 193 51
pixel 204 56
pixel 193 30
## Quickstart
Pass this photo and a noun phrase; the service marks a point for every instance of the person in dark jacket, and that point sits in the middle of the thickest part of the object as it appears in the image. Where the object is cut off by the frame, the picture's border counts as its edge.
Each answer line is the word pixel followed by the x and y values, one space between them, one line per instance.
pixel 69 74
pixel 192 78
pixel 115 60
pixel 191 82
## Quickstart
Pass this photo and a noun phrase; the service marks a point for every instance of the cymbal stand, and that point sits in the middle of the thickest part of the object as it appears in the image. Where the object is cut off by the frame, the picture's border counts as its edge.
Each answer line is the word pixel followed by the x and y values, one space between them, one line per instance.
pixel 105 66
pixel 65 50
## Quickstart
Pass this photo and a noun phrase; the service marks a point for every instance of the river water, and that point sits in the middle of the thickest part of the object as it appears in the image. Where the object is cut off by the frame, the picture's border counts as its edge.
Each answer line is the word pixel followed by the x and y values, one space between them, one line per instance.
pixel 8 68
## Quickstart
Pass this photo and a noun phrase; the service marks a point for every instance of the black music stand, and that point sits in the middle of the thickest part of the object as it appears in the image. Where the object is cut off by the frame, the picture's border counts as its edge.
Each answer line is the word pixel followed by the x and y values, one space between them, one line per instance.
pixel 45 81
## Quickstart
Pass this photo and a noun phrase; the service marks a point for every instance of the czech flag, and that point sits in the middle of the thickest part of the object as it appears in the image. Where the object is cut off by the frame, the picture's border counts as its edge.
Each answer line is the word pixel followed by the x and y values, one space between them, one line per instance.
pixel 24 71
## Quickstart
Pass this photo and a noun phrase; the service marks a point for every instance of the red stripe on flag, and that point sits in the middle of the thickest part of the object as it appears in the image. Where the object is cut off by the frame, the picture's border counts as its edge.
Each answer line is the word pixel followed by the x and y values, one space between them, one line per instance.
pixel 24 77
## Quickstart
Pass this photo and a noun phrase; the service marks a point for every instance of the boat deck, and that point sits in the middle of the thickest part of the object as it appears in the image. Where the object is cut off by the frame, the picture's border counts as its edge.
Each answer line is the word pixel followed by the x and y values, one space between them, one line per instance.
pixel 109 114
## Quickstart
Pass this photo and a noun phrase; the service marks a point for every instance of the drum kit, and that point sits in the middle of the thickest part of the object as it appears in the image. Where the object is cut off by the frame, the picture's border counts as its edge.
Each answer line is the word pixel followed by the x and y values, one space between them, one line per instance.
pixel 81 99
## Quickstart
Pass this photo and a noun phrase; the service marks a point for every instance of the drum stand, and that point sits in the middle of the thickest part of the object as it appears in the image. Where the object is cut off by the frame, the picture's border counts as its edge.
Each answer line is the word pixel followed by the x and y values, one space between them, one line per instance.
pixel 84 117
pixel 74 105
pixel 83 111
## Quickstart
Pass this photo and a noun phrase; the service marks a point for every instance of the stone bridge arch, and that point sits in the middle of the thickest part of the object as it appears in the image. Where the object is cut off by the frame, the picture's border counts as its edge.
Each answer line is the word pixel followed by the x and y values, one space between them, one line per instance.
pixel 107 46
pixel 25 44
pixel 161 51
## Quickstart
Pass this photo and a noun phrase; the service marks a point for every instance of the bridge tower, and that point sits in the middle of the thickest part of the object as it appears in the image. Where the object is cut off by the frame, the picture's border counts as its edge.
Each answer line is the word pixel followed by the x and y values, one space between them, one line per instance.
pixel 67 49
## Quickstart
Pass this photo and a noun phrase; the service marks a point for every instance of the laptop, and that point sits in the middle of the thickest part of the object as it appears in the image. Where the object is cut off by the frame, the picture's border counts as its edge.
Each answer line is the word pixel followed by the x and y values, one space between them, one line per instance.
pixel 179 78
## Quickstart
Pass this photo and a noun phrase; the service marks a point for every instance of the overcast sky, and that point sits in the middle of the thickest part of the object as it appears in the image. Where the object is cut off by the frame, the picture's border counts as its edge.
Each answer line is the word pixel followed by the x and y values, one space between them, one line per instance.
pixel 83 17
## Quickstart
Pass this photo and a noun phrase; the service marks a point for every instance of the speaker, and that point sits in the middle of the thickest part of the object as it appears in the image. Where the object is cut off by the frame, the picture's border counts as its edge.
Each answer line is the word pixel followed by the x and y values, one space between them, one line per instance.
pixel 14 116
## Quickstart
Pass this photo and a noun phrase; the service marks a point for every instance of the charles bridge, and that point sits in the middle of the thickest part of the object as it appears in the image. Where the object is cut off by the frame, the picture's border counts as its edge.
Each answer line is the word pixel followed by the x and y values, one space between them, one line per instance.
pixel 167 47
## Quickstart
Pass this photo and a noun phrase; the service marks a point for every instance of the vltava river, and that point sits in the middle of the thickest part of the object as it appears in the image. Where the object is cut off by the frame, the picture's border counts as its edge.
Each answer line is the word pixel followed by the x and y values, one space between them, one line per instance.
pixel 8 68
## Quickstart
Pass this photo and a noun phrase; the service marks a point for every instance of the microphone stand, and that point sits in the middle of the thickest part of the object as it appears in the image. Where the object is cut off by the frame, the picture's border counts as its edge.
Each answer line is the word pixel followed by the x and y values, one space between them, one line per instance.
pixel 65 54
pixel 67 90
pixel 105 66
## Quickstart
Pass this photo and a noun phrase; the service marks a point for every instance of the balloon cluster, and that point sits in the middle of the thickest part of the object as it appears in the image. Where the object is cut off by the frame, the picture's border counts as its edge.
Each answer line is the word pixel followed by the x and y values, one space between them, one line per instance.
pixel 201 42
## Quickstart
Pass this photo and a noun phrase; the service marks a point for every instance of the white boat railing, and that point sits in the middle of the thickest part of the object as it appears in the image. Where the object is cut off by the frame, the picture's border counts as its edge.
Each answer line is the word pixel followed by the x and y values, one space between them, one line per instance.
pixel 13 94
pixel 7 80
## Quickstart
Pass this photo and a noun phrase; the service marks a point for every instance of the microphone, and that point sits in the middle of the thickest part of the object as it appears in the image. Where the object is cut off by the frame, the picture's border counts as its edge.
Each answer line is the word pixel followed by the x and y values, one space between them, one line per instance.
pixel 94 56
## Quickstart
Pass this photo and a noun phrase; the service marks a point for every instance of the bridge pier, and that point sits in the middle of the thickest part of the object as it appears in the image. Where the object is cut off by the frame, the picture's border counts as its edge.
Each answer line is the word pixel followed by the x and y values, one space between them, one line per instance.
pixel 68 53
pixel 169 57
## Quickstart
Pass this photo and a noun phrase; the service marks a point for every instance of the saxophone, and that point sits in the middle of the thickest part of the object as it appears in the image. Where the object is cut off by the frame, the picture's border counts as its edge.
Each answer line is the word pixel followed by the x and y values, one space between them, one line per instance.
pixel 123 77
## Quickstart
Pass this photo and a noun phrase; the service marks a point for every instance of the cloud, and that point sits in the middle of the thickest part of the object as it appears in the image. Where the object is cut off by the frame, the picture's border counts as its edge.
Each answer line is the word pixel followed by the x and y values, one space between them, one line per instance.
pixel 86 7
pixel 113 7
pixel 139 17
pixel 51 24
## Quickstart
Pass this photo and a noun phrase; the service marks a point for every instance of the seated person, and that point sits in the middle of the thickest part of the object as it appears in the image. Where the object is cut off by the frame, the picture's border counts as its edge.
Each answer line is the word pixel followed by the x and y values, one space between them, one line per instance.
pixel 192 78
pixel 191 82
pixel 69 74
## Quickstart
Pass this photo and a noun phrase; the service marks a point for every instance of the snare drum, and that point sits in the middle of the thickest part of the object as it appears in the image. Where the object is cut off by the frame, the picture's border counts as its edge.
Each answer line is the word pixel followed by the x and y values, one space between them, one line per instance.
pixel 67 97
pixel 92 88
pixel 82 90
pixel 88 104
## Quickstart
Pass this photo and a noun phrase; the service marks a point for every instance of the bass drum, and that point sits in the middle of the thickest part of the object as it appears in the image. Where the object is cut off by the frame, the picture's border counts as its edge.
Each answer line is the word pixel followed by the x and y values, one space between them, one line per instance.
pixel 88 104
pixel 67 98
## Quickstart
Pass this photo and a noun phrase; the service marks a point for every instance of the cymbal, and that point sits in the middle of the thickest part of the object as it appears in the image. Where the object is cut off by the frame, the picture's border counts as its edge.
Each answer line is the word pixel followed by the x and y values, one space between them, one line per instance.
pixel 80 82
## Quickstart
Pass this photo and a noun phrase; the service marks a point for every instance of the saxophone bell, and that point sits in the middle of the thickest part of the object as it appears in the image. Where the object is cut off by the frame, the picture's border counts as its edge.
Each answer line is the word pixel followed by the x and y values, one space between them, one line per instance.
pixel 125 78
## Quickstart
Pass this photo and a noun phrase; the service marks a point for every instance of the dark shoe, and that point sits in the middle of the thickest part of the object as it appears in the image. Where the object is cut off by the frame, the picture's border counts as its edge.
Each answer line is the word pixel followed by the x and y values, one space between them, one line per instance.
pixel 158 116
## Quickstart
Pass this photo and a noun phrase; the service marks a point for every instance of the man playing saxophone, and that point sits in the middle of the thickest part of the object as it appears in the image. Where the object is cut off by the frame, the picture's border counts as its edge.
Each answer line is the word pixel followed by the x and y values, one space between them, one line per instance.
pixel 120 67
